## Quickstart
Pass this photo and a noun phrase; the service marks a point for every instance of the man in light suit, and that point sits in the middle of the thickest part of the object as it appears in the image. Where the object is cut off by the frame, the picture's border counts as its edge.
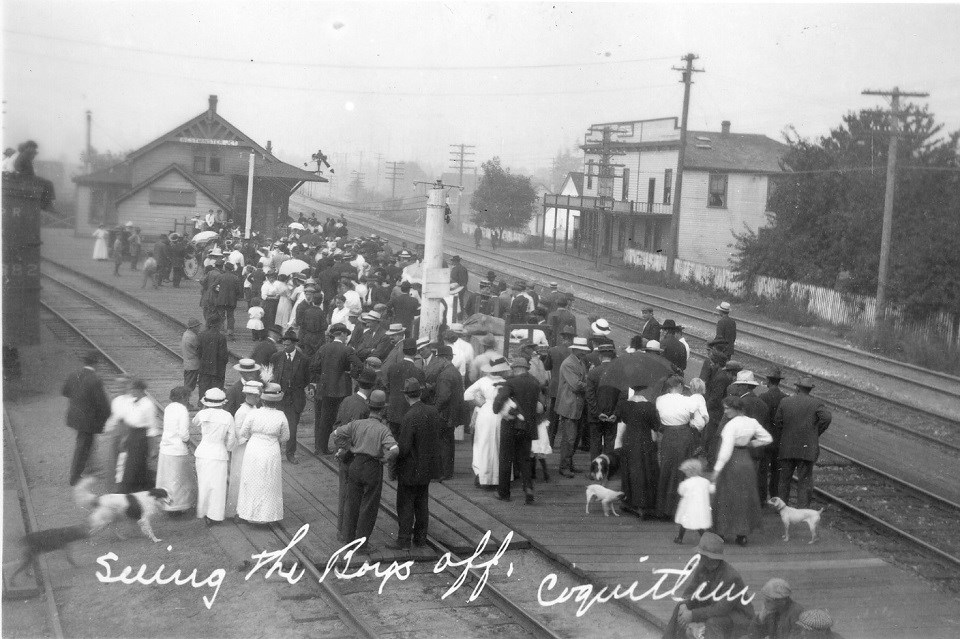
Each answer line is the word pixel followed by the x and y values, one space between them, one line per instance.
pixel 87 413
pixel 292 372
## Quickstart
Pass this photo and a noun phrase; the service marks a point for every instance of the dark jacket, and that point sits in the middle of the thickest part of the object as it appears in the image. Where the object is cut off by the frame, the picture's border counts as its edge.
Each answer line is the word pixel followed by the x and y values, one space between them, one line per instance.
pixel 293 378
pixel 551 362
pixel 592 391
pixel 89 405
pixel 727 331
pixel 396 400
pixel 724 573
pixel 448 395
pixel 674 351
pixel 213 353
pixel 525 391
pixel 351 409
pixel 650 330
pixel 772 398
pixel 419 440
pixel 405 309
pixel 559 319
pixel 801 418
pixel 229 289
pixel 331 369
pixel 161 252
pixel 263 351
pixel 459 275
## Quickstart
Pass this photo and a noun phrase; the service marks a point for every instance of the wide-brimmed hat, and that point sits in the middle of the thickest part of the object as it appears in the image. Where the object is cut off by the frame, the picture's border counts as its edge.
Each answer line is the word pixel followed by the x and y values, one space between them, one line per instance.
pixel 252 387
pixel 272 393
pixel 600 327
pixel 724 307
pixel 496 367
pixel 412 386
pixel 670 325
pixel 746 378
pixel 519 362
pixel 193 322
pixel 579 344
pixel 246 365
pixel 290 335
pixel 455 287
pixel 378 399
pixel 774 373
pixel 396 329
pixel 805 382
pixel 653 346
pixel 733 366
pixel 711 545
pixel 339 327
pixel 214 398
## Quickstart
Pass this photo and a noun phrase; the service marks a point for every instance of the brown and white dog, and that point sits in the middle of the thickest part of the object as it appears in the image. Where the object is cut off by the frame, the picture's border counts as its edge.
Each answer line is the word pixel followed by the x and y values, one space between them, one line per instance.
pixel 141 506
pixel 603 466
pixel 605 496
pixel 796 515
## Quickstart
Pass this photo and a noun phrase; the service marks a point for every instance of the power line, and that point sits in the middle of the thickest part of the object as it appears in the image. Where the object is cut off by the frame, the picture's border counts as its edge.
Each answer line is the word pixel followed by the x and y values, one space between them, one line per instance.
pixel 326 65
pixel 394 174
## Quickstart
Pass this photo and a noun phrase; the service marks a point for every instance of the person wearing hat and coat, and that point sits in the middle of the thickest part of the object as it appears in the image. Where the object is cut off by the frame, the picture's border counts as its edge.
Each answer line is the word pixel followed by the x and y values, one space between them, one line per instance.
pixel 726 328
pixel 673 349
pixel 312 321
pixel 727 618
pixel 396 376
pixel 291 371
pixel 352 408
pixel 517 432
pixel 446 387
pixel 266 347
pixel 570 401
pixel 801 419
pixel 522 304
pixel 249 371
pixel 780 613
pixel 364 446
pixel 227 290
pixel 768 466
pixel 87 412
pixel 418 463
pixel 650 331
pixel 601 404
pixel 331 376
pixel 561 318
pixel 551 362
pixel 405 308
pixel 218 436
pixel 458 272
pixel 213 356
pixel 190 352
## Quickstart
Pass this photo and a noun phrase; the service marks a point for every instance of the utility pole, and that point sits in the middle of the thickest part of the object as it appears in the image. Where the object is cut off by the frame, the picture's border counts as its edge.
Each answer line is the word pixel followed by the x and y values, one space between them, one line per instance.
pixel 895 94
pixel 379 163
pixel 674 247
pixel 460 161
pixel 248 226
pixel 356 184
pixel 436 280
pixel 606 150
pixel 89 166
pixel 394 173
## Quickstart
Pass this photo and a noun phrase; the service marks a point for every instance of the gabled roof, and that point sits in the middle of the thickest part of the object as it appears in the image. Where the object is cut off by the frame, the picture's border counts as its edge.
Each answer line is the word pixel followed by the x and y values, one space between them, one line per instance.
pixel 735 152
pixel 208 124
pixel 577 177
pixel 187 176
pixel 281 170
pixel 116 174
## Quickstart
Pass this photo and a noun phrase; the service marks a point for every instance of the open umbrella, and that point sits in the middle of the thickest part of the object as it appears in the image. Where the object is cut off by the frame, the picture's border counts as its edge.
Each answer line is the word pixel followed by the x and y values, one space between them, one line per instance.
pixel 204 236
pixel 296 225
pixel 293 266
pixel 637 369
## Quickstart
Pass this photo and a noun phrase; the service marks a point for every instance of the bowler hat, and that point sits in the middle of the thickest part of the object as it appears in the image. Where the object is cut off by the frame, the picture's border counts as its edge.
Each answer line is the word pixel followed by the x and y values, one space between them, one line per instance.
pixel 276 329
pixel 774 373
pixel 711 545
pixel 805 382
pixel 378 399
pixel 412 386
pixel 444 350
pixel 410 345
pixel 670 325
pixel 340 328
pixel 290 335
pixel 368 377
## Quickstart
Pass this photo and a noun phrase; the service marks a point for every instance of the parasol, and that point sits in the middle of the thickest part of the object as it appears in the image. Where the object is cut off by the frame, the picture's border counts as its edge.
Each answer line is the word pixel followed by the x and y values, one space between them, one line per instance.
pixel 204 236
pixel 636 369
pixel 293 266
pixel 296 225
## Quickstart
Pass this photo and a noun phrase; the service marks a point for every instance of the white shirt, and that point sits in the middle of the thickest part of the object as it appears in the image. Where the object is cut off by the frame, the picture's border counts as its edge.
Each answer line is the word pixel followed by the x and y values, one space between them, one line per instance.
pixel 236 258
pixel 118 406
pixel 538 337
pixel 678 410
pixel 272 290
pixel 353 302
pixel 462 355
pixel 176 430
pixel 740 431
pixel 141 413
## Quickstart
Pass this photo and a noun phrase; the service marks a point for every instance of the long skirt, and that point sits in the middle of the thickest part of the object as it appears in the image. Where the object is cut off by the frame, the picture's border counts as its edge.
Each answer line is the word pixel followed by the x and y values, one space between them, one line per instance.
pixel 678 445
pixel 178 475
pixel 211 488
pixel 639 474
pixel 136 474
pixel 736 509
pixel 269 312
pixel 233 483
pixel 100 249
pixel 284 308
pixel 486 446
pixel 261 482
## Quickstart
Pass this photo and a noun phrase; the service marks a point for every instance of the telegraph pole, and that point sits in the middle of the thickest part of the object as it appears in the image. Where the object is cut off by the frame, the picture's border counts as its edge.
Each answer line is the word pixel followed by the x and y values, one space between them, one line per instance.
pixel 436 280
pixel 394 173
pixel 895 94
pixel 674 247
pixel 379 162
pixel 606 150
pixel 356 184
pixel 89 165
pixel 460 161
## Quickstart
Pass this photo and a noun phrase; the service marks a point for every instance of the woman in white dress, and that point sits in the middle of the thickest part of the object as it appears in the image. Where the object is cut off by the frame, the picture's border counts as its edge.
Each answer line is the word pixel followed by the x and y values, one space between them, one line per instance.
pixel 251 400
pixel 175 470
pixel 261 479
pixel 285 304
pixel 218 436
pixel 486 429
pixel 100 251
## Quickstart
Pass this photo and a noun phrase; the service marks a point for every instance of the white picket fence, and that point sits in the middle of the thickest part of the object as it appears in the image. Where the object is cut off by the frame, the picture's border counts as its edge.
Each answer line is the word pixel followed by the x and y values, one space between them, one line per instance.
pixel 833 306
pixel 508 236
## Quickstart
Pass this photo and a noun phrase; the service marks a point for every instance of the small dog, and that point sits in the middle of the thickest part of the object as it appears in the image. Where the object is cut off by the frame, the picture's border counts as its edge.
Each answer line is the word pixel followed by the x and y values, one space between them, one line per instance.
pixel 605 496
pixel 796 515
pixel 43 541
pixel 141 506
pixel 602 466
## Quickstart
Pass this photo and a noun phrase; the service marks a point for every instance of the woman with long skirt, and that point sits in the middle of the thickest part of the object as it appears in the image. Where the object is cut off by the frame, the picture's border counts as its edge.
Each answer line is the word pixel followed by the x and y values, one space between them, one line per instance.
pixel 270 292
pixel 284 303
pixel 140 416
pixel 737 502
pixel 639 470
pixel 486 423
pixel 251 400
pixel 175 472
pixel 261 479
pixel 681 418
pixel 100 251
pixel 218 436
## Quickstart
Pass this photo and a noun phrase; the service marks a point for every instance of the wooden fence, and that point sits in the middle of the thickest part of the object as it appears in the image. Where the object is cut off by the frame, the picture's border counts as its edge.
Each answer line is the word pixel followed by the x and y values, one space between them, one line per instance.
pixel 843 309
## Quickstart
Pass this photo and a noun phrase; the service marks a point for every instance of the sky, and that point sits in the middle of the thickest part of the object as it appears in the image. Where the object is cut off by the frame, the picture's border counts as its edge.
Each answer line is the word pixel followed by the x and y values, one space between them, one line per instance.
pixel 405 80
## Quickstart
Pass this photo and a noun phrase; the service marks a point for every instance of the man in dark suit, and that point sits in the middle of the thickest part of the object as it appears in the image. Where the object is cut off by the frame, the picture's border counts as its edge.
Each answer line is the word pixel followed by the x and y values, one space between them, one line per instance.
pixel 87 412
pixel 265 348
pixel 726 328
pixel 561 318
pixel 249 371
pixel 551 297
pixel 228 289
pixel 517 435
pixel 213 356
pixel 417 465
pixel 161 253
pixel 522 305
pixel 405 308
pixel 330 373
pixel 768 468
pixel 398 374
pixel 291 370
pixel 801 419
pixel 603 430
pixel 447 393
pixel 651 327
pixel 312 321
pixel 458 272
pixel 673 348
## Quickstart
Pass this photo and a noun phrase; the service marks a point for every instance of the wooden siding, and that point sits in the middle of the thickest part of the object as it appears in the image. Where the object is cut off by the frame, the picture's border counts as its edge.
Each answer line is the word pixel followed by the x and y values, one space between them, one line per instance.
pixel 232 159
pixel 153 219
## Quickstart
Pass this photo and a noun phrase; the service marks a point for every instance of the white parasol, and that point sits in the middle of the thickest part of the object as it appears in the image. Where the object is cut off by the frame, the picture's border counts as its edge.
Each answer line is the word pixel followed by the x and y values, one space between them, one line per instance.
pixel 204 236
pixel 293 266
pixel 296 225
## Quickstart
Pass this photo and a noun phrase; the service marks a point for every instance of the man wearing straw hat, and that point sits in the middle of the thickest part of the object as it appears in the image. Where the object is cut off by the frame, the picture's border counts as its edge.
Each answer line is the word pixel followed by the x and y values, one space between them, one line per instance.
pixel 726 328
pixel 570 401
pixel 249 371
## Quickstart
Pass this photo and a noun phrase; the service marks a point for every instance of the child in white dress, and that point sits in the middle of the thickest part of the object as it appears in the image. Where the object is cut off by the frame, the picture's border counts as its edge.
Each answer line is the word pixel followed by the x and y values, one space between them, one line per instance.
pixel 693 511
pixel 255 323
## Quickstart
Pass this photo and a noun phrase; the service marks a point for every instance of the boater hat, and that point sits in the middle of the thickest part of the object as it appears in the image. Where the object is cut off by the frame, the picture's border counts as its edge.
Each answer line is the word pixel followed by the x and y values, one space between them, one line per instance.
pixel 252 387
pixel 214 398
pixel 601 327
pixel 455 288
pixel 579 344
pixel 246 365
pixel 653 346
pixel 272 393
pixel 396 329
pixel 724 307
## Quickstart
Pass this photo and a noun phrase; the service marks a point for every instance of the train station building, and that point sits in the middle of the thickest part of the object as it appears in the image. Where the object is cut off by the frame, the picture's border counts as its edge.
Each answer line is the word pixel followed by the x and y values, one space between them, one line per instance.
pixel 200 165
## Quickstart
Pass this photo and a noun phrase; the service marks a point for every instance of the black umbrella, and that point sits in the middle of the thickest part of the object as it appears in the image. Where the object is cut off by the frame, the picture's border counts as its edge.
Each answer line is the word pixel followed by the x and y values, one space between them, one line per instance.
pixel 637 369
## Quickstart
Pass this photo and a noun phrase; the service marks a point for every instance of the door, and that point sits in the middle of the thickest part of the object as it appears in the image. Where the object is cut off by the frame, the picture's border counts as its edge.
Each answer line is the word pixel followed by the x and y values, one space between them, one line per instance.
pixel 651 193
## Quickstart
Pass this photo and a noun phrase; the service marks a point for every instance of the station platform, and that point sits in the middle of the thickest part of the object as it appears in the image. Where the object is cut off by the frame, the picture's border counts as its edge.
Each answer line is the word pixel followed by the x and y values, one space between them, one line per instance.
pixel 866 596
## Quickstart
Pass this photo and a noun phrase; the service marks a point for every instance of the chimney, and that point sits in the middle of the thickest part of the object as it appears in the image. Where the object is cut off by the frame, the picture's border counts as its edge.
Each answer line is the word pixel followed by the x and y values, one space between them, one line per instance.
pixel 725 127
pixel 269 146
pixel 212 110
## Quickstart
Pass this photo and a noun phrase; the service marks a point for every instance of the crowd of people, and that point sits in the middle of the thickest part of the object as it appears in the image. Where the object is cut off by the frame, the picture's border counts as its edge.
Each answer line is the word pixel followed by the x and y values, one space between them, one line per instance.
pixel 338 326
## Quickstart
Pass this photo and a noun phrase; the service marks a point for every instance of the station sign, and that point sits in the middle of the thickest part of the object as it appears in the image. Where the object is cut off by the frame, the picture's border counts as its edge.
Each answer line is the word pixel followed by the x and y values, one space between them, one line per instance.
pixel 209 141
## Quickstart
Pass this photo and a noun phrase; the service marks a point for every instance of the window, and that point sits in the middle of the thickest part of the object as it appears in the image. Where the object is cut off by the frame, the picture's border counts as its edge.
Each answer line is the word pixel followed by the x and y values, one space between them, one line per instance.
pixel 215 165
pixel 173 197
pixel 590 174
pixel 717 191
pixel 667 185
pixel 625 191
pixel 199 164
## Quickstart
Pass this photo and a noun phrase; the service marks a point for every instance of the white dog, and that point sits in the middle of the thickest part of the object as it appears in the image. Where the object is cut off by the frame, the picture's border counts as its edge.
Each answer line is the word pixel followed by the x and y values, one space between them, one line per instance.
pixel 605 496
pixel 141 507
pixel 796 515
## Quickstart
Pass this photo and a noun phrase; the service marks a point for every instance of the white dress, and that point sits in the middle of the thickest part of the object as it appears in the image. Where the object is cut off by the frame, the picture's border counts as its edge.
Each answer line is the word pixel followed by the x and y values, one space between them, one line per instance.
pixel 261 478
pixel 236 460
pixel 175 472
pixel 284 307
pixel 219 436
pixel 694 511
pixel 486 434
pixel 100 251
pixel 255 323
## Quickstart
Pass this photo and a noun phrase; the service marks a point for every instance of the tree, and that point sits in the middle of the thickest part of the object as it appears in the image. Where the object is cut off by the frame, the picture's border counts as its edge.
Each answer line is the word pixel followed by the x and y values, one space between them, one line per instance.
pixel 826 220
pixel 563 164
pixel 104 160
pixel 503 200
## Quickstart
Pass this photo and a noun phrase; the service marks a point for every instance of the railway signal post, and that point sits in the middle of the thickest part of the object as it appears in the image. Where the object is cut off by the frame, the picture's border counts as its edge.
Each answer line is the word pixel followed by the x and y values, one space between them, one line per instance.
pixel 436 279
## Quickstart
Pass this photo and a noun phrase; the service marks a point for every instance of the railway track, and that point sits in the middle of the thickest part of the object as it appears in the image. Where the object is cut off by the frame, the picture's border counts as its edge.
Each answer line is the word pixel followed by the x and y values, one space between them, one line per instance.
pixel 890 394
pixel 136 338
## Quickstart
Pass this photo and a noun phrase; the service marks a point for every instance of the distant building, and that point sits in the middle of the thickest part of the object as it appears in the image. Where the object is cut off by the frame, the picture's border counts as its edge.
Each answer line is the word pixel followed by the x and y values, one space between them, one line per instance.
pixel 199 165
pixel 726 185
pixel 59 174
